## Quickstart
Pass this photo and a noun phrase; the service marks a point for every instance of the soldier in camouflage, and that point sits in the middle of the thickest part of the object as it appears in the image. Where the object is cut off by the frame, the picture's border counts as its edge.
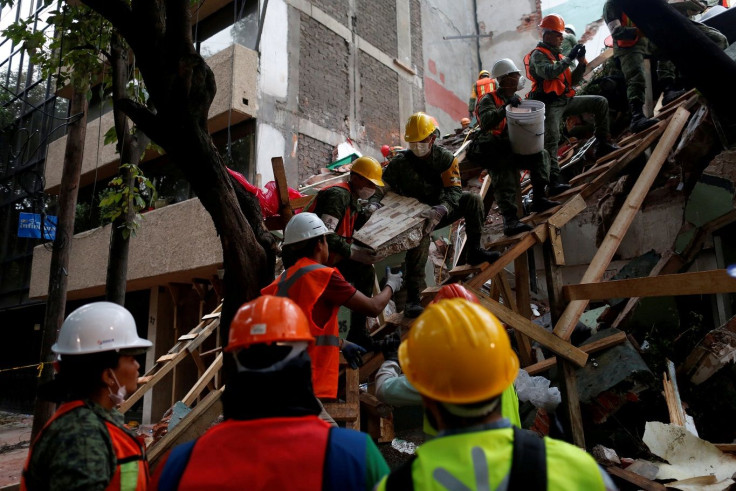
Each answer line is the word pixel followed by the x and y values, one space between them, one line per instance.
pixel 344 208
pixel 431 174
pixel 552 83
pixel 492 149
pixel 85 444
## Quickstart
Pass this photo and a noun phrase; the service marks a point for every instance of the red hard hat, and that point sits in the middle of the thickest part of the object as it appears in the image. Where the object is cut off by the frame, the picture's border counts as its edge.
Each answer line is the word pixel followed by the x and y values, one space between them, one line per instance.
pixel 385 150
pixel 553 22
pixel 455 290
pixel 268 319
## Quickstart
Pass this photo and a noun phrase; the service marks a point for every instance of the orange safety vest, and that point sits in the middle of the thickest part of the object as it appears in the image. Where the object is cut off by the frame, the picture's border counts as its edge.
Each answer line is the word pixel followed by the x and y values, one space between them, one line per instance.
pixel 627 43
pixel 304 283
pixel 562 85
pixel 484 86
pixel 269 453
pixel 131 466
pixel 499 103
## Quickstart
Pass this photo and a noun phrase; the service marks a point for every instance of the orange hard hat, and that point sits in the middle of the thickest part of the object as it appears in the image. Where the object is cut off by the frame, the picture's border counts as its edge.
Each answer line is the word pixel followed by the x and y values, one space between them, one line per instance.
pixel 266 320
pixel 455 290
pixel 553 22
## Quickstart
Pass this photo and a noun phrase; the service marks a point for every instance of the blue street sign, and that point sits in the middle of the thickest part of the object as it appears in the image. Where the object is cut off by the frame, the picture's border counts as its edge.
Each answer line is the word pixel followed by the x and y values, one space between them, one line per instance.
pixel 29 225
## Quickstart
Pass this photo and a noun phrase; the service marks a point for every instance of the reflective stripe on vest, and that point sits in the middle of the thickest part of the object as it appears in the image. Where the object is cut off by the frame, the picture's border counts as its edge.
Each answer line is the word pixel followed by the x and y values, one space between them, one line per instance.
pixel 481 460
pixel 304 283
pixel 484 86
pixel 627 43
pixel 131 470
pixel 268 453
pixel 561 85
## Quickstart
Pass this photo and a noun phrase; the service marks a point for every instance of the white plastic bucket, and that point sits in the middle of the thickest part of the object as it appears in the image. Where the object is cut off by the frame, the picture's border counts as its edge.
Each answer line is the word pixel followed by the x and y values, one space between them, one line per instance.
pixel 526 129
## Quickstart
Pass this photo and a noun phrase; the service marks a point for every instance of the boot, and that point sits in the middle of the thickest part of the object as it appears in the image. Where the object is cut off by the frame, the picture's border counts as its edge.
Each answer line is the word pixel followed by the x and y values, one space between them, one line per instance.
pixel 639 122
pixel 540 204
pixel 512 226
pixel 556 186
pixel 476 254
pixel 604 147
pixel 669 92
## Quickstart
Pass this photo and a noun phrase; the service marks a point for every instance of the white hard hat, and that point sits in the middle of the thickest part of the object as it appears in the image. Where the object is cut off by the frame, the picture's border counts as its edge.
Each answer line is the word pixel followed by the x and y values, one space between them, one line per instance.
pixel 97 327
pixel 503 67
pixel 570 27
pixel 304 226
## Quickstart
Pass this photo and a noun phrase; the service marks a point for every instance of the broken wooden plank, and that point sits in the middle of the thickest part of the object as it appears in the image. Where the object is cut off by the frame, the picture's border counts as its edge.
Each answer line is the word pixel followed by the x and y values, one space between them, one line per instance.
pixel 597 61
pixel 623 220
pixel 534 331
pixel 636 479
pixel 713 352
pixel 520 248
pixel 282 189
pixel 555 240
pixel 203 381
pixel 672 396
pixel 523 305
pixel 466 269
pixel 569 210
pixel 599 345
pixel 699 283
pixel 570 389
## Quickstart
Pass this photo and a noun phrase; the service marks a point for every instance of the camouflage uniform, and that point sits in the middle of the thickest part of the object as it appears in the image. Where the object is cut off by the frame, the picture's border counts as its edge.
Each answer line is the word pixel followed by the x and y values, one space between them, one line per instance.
pixel 75 451
pixel 433 181
pixel 336 201
pixel 494 153
pixel 568 42
pixel 559 107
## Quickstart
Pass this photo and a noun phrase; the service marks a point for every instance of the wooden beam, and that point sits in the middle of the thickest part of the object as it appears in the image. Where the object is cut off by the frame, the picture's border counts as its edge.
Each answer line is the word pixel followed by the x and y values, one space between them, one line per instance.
pixel 517 250
pixel 618 229
pixel 282 189
pixel 631 303
pixel 598 60
pixel 700 283
pixel 601 344
pixel 569 210
pixel 190 427
pixel 635 479
pixel 555 240
pixel 523 307
pixel 570 389
pixel 203 381
pixel 534 331
pixel 503 284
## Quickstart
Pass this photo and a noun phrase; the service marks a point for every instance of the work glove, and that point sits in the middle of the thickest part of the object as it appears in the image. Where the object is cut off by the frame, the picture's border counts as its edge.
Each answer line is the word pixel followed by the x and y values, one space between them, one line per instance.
pixel 390 346
pixel 394 280
pixel 581 53
pixel 364 255
pixel 353 354
pixel 434 216
pixel 371 208
pixel 575 51
pixel 515 100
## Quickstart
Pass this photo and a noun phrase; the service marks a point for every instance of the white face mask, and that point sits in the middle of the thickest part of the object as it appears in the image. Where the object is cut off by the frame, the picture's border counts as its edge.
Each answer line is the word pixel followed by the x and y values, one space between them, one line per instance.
pixel 420 149
pixel 365 192
pixel 118 397
pixel 522 83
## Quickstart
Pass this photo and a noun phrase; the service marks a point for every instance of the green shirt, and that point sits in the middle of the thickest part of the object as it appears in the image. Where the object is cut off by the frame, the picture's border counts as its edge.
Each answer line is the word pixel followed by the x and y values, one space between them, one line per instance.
pixel 336 202
pixel 75 451
pixel 542 68
pixel 433 181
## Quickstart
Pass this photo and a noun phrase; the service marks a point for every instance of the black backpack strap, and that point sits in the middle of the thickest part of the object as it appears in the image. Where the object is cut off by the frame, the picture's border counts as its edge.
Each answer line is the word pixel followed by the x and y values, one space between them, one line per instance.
pixel 400 479
pixel 529 462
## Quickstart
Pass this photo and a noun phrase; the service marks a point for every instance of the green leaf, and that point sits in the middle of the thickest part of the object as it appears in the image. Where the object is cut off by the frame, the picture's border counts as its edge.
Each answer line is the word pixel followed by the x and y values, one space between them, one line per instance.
pixel 111 136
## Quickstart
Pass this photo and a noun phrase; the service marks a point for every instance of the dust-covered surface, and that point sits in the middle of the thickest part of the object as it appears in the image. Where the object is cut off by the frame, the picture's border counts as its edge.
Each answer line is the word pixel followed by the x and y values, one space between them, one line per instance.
pixel 15 435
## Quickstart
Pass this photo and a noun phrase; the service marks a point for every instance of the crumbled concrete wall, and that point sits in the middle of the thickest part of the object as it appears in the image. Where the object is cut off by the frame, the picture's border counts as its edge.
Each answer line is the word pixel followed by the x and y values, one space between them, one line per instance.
pixel 379 105
pixel 375 21
pixel 323 75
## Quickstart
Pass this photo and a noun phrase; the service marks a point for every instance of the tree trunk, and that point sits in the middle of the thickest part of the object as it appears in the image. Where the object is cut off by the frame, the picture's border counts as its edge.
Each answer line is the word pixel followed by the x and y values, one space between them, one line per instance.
pixel 697 57
pixel 130 149
pixel 58 271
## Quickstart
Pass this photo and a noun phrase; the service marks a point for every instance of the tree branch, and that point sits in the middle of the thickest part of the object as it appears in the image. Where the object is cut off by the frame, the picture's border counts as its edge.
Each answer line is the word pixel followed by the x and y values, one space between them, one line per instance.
pixel 178 22
pixel 145 119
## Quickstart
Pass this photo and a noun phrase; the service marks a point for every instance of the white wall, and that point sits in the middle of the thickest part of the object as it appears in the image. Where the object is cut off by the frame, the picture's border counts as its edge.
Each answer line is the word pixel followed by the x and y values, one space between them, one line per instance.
pixel 274 73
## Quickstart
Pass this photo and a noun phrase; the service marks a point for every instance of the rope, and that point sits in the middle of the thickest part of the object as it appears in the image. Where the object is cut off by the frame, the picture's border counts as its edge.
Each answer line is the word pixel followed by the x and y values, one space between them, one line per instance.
pixel 37 366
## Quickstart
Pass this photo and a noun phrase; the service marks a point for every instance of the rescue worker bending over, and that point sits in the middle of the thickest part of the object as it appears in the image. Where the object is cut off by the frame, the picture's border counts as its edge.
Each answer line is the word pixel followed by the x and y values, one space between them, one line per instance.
pixel 271 437
pixel 493 149
pixel 344 208
pixel 394 389
pixel 459 358
pixel 484 85
pixel 552 83
pixel 85 444
pixel 431 174
pixel 320 291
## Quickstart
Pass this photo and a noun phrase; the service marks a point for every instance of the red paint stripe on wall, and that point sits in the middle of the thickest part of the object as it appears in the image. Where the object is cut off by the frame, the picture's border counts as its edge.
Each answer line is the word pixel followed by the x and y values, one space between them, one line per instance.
pixel 438 96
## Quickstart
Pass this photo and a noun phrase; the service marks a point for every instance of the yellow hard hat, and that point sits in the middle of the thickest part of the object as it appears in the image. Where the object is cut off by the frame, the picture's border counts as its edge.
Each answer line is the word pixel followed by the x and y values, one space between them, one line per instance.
pixel 458 352
pixel 369 168
pixel 484 73
pixel 418 127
